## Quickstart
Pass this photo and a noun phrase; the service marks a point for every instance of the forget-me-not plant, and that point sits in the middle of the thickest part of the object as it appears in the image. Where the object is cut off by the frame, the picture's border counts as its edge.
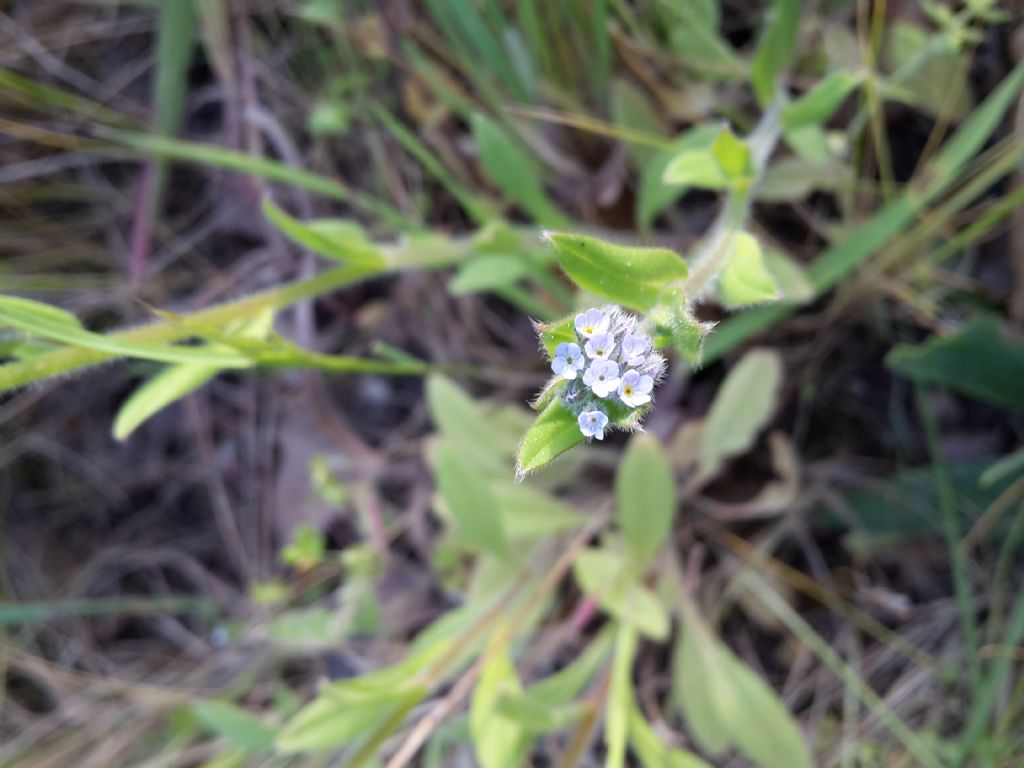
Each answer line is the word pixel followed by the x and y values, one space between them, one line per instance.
pixel 607 375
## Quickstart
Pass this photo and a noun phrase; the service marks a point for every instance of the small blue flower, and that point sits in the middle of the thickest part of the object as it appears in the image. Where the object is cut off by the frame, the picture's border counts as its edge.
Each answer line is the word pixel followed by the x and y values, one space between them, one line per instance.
pixel 592 321
pixel 600 346
pixel 568 360
pixel 634 348
pixel 592 424
pixel 602 377
pixel 635 389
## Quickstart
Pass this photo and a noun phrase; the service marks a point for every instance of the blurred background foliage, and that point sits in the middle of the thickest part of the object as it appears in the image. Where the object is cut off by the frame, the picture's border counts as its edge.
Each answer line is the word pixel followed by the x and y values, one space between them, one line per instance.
pixel 286 530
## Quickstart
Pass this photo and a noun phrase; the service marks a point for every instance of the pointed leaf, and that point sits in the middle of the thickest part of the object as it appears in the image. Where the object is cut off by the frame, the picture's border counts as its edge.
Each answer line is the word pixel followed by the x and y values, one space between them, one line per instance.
pixel 775 49
pixel 745 280
pixel 627 275
pixel 817 105
pixel 981 360
pixel 470 499
pixel 234 724
pixel 742 407
pixel 646 494
pixel 604 575
pixel 335 239
pixel 513 171
pixel 553 433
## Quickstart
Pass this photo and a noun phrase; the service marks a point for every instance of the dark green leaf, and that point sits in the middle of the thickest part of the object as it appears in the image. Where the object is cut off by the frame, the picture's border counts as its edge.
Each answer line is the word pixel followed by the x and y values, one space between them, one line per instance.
pixel 981 360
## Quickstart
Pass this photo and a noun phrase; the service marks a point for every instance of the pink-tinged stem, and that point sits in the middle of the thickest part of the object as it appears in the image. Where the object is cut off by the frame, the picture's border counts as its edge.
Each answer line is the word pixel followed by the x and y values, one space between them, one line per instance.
pixel 584 613
pixel 141 226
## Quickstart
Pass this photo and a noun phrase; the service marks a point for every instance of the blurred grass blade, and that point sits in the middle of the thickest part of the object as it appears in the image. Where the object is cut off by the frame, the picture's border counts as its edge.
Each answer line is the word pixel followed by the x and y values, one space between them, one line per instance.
pixel 915 744
pixel 39 320
pixel 262 167
pixel 14 614
pixel 166 387
pixel 175 39
pixel 126 343
pixel 514 171
pixel 775 49
pixel 336 239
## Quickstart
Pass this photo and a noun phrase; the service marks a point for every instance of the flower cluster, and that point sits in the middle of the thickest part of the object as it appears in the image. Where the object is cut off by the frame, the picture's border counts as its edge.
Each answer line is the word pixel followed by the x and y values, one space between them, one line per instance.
pixel 610 370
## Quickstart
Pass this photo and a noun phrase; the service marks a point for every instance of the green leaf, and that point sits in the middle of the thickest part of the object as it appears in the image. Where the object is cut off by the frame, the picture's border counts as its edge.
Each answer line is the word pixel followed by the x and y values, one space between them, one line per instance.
pixel 775 49
pixel 627 275
pixel 335 239
pixel 696 168
pixel 653 194
pixel 553 433
pixel 488 273
pixel 463 423
pixel 981 360
pixel 634 111
pixel 696 40
pixel 928 71
pixel 528 513
pixel 650 749
pixel 818 104
pixel 777 741
pixel 732 154
pixel 606 577
pixel 498 741
pixel 470 499
pixel 513 171
pixel 742 407
pixel 168 386
pixel 794 178
pixel 720 697
pixel 788 275
pixel 810 143
pixel 529 714
pixel 565 685
pixel 646 495
pixel 329 722
pixel 37 312
pixel 744 279
pixel 176 382
pixel 553 334
pixel 234 724
pixel 701 689
pixel 620 698
pixel 675 324
pixel 1009 465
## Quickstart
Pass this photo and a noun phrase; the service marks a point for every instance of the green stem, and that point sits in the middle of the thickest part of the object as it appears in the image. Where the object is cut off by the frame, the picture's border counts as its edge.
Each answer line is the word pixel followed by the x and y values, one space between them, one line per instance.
pixel 716 249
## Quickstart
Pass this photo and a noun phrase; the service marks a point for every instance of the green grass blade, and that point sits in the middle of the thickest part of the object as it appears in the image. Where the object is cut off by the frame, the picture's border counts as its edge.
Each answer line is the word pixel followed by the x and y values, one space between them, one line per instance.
pixel 14 614
pixel 266 168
